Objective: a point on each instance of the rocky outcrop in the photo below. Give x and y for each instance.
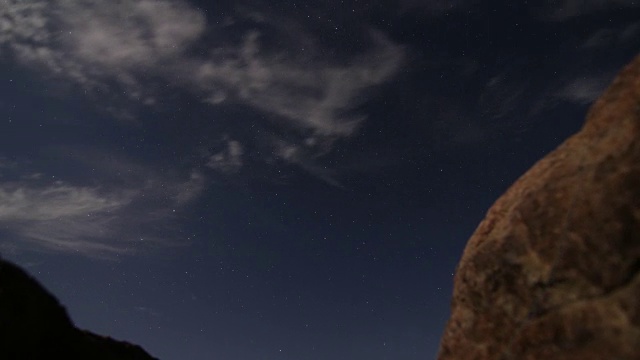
(553, 271)
(33, 325)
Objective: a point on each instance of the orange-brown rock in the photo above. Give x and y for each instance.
(553, 271)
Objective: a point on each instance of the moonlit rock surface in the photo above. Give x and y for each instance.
(33, 325)
(553, 271)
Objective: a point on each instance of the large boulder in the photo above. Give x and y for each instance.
(553, 271)
(33, 325)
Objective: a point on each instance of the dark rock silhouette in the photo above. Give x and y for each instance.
(553, 271)
(33, 325)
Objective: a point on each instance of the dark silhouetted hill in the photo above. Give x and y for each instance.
(33, 325)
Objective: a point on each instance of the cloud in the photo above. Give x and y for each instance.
(191, 189)
(433, 7)
(62, 217)
(298, 155)
(568, 9)
(98, 37)
(96, 43)
(229, 160)
(131, 34)
(132, 207)
(502, 95)
(583, 90)
(612, 36)
(136, 50)
(309, 95)
(5, 163)
(53, 202)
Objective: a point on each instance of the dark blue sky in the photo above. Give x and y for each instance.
(279, 180)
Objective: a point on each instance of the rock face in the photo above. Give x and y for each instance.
(33, 325)
(553, 271)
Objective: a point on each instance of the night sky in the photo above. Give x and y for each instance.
(241, 180)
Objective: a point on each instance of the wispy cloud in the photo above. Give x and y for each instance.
(228, 160)
(297, 155)
(4, 163)
(310, 95)
(126, 212)
(568, 9)
(96, 44)
(54, 202)
(502, 94)
(190, 189)
(584, 90)
(612, 36)
(434, 7)
(124, 48)
(64, 218)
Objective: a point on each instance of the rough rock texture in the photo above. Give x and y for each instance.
(33, 325)
(553, 271)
